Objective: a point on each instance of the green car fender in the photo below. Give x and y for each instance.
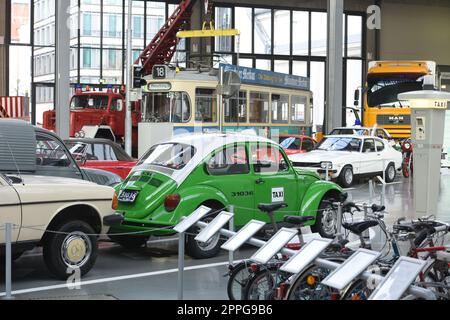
(195, 196)
(314, 195)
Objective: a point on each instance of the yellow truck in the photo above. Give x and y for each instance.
(385, 80)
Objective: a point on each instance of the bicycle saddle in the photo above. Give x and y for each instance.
(271, 207)
(298, 220)
(377, 208)
(360, 227)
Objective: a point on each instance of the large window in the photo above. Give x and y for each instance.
(298, 109)
(205, 105)
(294, 41)
(166, 107)
(280, 108)
(235, 108)
(259, 107)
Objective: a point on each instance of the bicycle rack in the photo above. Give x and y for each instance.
(351, 268)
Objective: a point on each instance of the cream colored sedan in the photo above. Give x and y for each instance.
(62, 215)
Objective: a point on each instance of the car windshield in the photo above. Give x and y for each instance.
(384, 92)
(340, 144)
(76, 147)
(291, 143)
(170, 155)
(97, 102)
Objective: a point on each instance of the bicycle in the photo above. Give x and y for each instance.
(420, 234)
(241, 273)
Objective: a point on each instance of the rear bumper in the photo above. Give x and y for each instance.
(118, 224)
(113, 220)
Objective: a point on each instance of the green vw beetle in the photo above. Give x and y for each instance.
(216, 170)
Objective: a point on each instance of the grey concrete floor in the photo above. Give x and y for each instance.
(150, 273)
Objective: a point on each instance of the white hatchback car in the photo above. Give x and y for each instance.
(350, 156)
(60, 214)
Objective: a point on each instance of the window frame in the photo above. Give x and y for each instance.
(222, 149)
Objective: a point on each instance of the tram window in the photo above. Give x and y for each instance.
(298, 106)
(236, 108)
(205, 105)
(280, 108)
(259, 107)
(166, 107)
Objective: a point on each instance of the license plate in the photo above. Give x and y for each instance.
(128, 196)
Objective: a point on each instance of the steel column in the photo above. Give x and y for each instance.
(62, 68)
(333, 107)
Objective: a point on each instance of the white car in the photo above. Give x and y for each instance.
(350, 156)
(60, 214)
(362, 131)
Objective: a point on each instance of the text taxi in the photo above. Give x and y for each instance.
(217, 170)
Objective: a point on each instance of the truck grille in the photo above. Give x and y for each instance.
(394, 119)
(306, 164)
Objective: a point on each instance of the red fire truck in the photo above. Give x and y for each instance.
(97, 114)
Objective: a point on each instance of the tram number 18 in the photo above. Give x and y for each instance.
(159, 72)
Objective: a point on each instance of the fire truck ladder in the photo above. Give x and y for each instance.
(162, 48)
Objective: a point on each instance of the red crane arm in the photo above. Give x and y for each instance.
(162, 48)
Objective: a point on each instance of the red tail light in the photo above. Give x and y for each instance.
(171, 202)
(254, 267)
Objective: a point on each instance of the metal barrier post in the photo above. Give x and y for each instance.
(8, 231)
(370, 190)
(231, 227)
(327, 177)
(366, 233)
(339, 221)
(181, 247)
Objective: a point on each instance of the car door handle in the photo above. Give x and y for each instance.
(260, 181)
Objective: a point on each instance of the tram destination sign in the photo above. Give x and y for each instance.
(268, 78)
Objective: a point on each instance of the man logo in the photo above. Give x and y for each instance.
(373, 17)
(396, 119)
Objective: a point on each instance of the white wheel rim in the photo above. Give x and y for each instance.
(391, 172)
(211, 244)
(348, 175)
(328, 221)
(76, 249)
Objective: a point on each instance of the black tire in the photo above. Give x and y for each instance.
(390, 173)
(129, 242)
(237, 281)
(325, 219)
(261, 286)
(78, 235)
(344, 178)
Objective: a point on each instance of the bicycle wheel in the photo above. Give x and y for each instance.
(307, 286)
(237, 282)
(358, 290)
(261, 285)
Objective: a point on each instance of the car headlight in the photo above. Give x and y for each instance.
(326, 165)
